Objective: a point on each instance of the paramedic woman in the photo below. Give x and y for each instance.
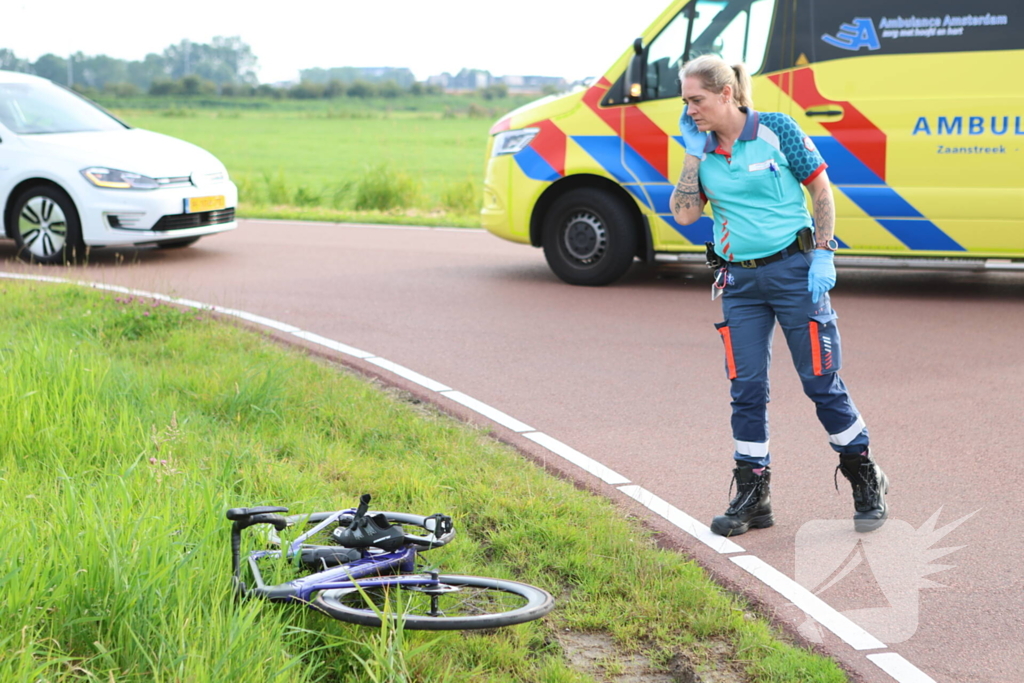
(752, 167)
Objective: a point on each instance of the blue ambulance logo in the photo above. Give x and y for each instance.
(861, 33)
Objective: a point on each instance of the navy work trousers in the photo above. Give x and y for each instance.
(753, 299)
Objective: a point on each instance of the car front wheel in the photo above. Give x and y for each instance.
(590, 237)
(46, 226)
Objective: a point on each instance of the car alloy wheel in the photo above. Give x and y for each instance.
(43, 227)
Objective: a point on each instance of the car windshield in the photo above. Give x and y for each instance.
(33, 108)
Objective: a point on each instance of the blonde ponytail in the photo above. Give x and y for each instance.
(715, 74)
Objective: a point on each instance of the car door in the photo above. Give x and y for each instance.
(737, 31)
(912, 107)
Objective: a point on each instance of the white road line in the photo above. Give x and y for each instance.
(258, 319)
(899, 668)
(682, 520)
(890, 662)
(408, 374)
(331, 344)
(825, 614)
(576, 458)
(504, 419)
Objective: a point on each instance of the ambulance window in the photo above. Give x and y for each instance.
(735, 30)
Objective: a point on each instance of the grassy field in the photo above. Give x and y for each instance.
(126, 430)
(413, 160)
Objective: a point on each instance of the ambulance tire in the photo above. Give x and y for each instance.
(589, 238)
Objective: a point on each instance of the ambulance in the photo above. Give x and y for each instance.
(916, 105)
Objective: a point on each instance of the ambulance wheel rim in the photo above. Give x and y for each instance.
(585, 237)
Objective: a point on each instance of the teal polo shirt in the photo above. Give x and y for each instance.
(755, 193)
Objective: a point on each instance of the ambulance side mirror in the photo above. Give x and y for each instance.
(634, 72)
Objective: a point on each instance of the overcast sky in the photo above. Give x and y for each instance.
(567, 38)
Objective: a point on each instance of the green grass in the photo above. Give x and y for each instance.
(332, 155)
(126, 430)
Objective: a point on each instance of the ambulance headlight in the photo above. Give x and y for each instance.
(512, 141)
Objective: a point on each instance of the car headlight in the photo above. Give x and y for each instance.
(120, 180)
(512, 141)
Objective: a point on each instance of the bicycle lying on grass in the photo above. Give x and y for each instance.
(356, 561)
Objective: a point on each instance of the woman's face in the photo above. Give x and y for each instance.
(708, 110)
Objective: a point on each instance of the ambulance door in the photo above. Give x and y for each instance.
(737, 31)
(912, 107)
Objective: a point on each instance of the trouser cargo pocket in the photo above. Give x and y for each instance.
(826, 351)
(730, 359)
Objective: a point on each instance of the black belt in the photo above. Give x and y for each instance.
(803, 242)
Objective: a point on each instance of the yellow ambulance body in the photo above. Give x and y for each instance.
(916, 105)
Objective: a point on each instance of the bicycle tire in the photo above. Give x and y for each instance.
(524, 602)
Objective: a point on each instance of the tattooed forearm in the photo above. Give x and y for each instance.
(824, 214)
(685, 201)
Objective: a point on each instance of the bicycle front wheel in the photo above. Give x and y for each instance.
(453, 603)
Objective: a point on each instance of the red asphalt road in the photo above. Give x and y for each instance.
(632, 375)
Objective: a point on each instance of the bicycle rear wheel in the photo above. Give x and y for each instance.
(457, 603)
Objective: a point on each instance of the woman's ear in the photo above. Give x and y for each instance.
(727, 94)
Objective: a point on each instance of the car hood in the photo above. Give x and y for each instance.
(133, 149)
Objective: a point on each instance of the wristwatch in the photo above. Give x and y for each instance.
(830, 245)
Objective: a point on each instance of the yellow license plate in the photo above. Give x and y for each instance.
(199, 204)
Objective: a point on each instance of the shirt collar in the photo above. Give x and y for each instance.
(748, 133)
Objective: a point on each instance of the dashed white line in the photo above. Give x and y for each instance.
(890, 662)
(682, 520)
(899, 668)
(852, 634)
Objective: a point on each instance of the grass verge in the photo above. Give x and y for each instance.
(126, 429)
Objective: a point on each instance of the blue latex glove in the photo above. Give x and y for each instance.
(693, 139)
(822, 275)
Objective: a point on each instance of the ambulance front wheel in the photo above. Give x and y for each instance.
(590, 237)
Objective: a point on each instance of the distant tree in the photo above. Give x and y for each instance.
(53, 67)
(194, 85)
(550, 89)
(164, 86)
(267, 90)
(10, 62)
(361, 89)
(389, 89)
(305, 90)
(98, 70)
(334, 88)
(498, 90)
(223, 60)
(418, 89)
(151, 68)
(121, 89)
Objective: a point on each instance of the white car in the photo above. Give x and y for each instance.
(72, 176)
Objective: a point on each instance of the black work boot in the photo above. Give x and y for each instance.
(869, 488)
(752, 506)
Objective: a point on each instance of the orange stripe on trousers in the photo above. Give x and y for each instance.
(730, 361)
(815, 348)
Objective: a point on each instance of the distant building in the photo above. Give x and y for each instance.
(533, 84)
(469, 80)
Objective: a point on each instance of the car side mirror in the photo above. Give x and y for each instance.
(634, 72)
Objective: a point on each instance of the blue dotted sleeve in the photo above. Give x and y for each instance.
(803, 157)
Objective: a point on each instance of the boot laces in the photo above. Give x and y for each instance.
(863, 480)
(744, 498)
